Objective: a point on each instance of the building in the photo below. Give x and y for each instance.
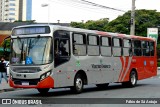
(12, 10)
(6, 27)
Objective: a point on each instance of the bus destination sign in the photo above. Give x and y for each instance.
(31, 30)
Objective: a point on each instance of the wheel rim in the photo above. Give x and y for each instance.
(133, 78)
(79, 84)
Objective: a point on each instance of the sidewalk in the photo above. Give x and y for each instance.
(5, 86)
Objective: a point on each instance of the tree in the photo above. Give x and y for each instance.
(143, 20)
(6, 46)
(97, 25)
(92, 25)
(77, 24)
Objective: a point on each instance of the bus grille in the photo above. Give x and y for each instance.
(30, 81)
(27, 70)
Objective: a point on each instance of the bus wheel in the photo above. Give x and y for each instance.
(105, 85)
(43, 91)
(132, 80)
(78, 84)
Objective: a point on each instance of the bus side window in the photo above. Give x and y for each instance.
(105, 46)
(93, 45)
(61, 47)
(151, 48)
(64, 47)
(56, 47)
(137, 51)
(127, 50)
(79, 44)
(145, 47)
(117, 47)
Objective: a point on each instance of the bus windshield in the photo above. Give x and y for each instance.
(31, 51)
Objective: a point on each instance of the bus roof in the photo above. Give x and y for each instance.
(80, 30)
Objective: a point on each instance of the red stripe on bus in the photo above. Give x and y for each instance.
(122, 61)
(46, 83)
(124, 73)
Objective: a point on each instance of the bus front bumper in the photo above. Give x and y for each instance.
(45, 83)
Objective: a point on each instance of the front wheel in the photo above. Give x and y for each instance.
(43, 91)
(78, 84)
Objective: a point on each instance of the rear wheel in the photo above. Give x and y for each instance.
(132, 80)
(43, 91)
(78, 84)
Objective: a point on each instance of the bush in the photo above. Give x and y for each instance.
(158, 64)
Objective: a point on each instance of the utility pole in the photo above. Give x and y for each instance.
(132, 20)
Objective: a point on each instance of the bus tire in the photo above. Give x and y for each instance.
(101, 86)
(132, 80)
(78, 84)
(43, 91)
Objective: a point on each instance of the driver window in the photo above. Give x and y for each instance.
(61, 47)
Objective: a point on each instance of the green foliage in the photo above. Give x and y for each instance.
(77, 24)
(96, 25)
(120, 25)
(158, 64)
(91, 25)
(5, 43)
(143, 20)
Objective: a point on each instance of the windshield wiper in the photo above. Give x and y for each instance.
(22, 51)
(29, 46)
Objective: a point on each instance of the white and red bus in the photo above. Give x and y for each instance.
(50, 56)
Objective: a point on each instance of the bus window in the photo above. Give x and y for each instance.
(61, 47)
(79, 44)
(64, 47)
(137, 48)
(127, 50)
(145, 47)
(93, 45)
(117, 47)
(151, 48)
(105, 46)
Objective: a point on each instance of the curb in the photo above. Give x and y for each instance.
(9, 89)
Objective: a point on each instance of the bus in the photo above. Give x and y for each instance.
(50, 56)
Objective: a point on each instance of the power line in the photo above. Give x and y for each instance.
(94, 5)
(81, 5)
(102, 6)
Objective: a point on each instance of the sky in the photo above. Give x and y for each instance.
(70, 10)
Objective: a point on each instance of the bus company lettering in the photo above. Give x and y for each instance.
(101, 66)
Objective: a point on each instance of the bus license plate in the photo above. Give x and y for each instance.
(25, 83)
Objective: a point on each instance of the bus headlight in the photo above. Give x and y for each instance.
(48, 74)
(11, 77)
(43, 76)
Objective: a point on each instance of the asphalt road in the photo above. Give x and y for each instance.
(148, 88)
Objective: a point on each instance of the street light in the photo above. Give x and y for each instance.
(45, 5)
